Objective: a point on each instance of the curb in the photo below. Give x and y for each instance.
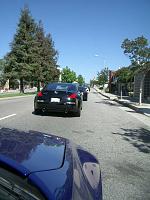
(128, 105)
(133, 107)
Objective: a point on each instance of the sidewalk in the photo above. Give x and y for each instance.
(127, 101)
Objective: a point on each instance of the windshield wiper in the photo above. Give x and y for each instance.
(16, 191)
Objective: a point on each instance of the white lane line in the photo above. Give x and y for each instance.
(7, 117)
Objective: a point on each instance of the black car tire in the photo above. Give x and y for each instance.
(78, 113)
(37, 111)
(85, 98)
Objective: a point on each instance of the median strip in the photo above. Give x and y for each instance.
(7, 116)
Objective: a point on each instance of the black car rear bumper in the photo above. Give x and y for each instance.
(56, 107)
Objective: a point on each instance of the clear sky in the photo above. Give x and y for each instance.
(87, 33)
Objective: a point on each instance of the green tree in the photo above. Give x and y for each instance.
(51, 73)
(38, 58)
(125, 77)
(68, 75)
(2, 63)
(138, 51)
(124, 74)
(80, 80)
(102, 76)
(19, 60)
(93, 82)
(33, 57)
(139, 54)
(45, 58)
(2, 78)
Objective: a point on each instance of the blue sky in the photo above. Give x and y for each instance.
(87, 33)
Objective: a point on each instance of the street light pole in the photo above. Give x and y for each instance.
(121, 91)
(60, 75)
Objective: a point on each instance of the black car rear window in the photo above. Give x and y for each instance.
(61, 87)
(82, 89)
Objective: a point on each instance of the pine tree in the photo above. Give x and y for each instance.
(2, 78)
(38, 58)
(45, 59)
(20, 59)
(51, 73)
(32, 56)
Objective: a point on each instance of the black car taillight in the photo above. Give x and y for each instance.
(40, 94)
(72, 96)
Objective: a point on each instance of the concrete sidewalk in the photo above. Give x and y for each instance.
(127, 101)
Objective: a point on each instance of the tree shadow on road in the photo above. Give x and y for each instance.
(139, 138)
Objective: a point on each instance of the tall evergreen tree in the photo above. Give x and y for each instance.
(2, 78)
(2, 63)
(50, 71)
(45, 59)
(39, 55)
(32, 56)
(19, 60)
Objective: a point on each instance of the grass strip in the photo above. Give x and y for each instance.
(4, 95)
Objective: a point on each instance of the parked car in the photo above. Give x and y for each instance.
(84, 91)
(87, 86)
(40, 166)
(59, 97)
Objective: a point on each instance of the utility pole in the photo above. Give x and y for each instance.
(141, 89)
(60, 73)
(120, 90)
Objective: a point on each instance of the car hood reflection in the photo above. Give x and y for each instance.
(34, 151)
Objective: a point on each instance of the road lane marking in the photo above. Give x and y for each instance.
(7, 116)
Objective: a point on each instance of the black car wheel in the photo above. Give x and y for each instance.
(78, 113)
(85, 98)
(37, 111)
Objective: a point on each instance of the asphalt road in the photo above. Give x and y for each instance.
(119, 137)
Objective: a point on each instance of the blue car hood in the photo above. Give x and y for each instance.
(31, 152)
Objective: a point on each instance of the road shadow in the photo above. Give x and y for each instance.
(131, 111)
(55, 114)
(139, 138)
(144, 110)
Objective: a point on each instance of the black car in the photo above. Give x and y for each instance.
(84, 91)
(59, 97)
(87, 86)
